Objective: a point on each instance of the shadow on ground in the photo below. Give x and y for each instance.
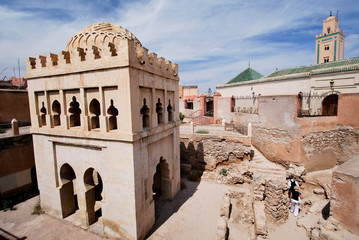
(165, 209)
(5, 235)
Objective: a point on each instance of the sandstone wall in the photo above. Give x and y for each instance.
(344, 202)
(14, 104)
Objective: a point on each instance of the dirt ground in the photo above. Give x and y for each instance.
(192, 215)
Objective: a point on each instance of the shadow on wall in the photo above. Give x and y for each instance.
(192, 160)
(192, 168)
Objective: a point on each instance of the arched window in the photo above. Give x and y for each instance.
(95, 113)
(75, 112)
(112, 120)
(56, 111)
(170, 111)
(43, 114)
(145, 112)
(159, 111)
(330, 105)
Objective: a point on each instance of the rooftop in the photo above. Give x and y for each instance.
(247, 75)
(301, 72)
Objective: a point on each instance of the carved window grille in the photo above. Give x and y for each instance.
(315, 105)
(56, 111)
(145, 112)
(170, 111)
(95, 113)
(159, 111)
(43, 114)
(112, 120)
(75, 112)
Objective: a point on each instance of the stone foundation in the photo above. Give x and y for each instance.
(204, 153)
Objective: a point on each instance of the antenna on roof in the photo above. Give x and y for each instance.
(330, 14)
(249, 63)
(18, 65)
(337, 14)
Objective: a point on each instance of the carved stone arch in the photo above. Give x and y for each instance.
(330, 105)
(95, 111)
(145, 112)
(82, 42)
(68, 195)
(43, 113)
(112, 111)
(93, 195)
(159, 111)
(161, 185)
(75, 112)
(115, 41)
(89, 39)
(56, 111)
(106, 40)
(97, 40)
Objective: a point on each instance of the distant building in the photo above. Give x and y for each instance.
(19, 82)
(330, 44)
(187, 91)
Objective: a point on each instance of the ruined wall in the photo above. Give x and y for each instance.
(315, 142)
(331, 147)
(206, 153)
(344, 204)
(14, 104)
(16, 161)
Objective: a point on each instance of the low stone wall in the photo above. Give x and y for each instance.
(206, 153)
(329, 148)
(276, 201)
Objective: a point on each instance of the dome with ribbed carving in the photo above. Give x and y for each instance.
(99, 33)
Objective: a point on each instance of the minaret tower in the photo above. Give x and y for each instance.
(330, 44)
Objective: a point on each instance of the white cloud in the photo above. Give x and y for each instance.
(211, 40)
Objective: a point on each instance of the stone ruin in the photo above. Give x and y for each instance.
(263, 199)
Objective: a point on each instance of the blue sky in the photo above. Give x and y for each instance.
(211, 40)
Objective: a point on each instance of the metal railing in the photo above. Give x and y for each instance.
(246, 104)
(316, 105)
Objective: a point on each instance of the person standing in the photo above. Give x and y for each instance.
(291, 184)
(295, 199)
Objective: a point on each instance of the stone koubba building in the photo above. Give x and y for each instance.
(105, 127)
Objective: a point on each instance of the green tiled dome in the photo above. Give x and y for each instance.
(246, 75)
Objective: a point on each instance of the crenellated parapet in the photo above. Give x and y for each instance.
(126, 53)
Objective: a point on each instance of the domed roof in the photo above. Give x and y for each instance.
(99, 33)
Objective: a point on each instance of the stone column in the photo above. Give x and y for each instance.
(203, 103)
(249, 132)
(224, 124)
(15, 127)
(192, 128)
(103, 123)
(216, 96)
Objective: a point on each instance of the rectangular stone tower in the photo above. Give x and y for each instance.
(330, 44)
(105, 127)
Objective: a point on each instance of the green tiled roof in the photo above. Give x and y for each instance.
(246, 75)
(322, 68)
(301, 72)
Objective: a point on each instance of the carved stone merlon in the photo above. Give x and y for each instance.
(152, 57)
(31, 63)
(52, 59)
